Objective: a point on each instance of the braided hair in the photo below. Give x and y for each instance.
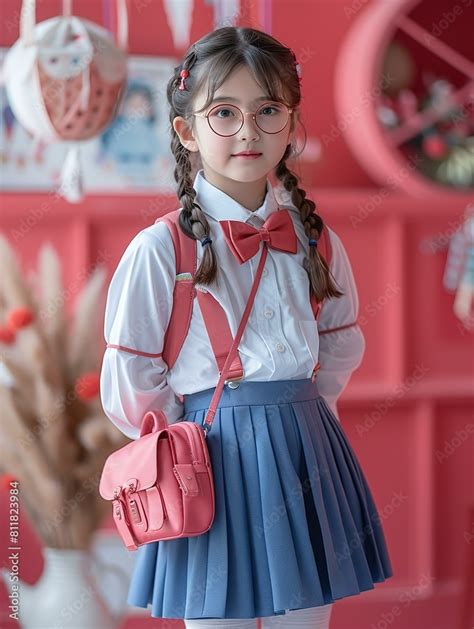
(207, 64)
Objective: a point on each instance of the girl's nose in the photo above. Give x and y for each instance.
(249, 128)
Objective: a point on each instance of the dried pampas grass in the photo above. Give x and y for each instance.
(52, 439)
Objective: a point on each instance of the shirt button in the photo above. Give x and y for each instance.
(268, 313)
(280, 347)
(264, 272)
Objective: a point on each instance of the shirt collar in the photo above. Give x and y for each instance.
(220, 206)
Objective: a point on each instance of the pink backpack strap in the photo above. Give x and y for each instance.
(183, 293)
(214, 316)
(325, 249)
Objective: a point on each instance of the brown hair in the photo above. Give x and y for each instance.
(209, 62)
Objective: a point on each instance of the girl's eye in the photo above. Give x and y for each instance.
(225, 112)
(266, 111)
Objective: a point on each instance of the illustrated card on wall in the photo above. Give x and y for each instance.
(131, 156)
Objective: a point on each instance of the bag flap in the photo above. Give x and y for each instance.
(135, 461)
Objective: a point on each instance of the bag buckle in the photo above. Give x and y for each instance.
(234, 383)
(116, 502)
(131, 485)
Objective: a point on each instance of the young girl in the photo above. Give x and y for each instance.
(295, 526)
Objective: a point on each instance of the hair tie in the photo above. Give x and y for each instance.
(313, 243)
(184, 75)
(206, 241)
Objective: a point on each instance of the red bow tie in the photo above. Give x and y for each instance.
(244, 240)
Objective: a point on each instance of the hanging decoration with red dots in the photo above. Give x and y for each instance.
(72, 80)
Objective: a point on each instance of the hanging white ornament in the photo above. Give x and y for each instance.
(226, 12)
(71, 186)
(179, 15)
(64, 79)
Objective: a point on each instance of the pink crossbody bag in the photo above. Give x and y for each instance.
(161, 484)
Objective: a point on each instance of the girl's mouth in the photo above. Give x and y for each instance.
(251, 156)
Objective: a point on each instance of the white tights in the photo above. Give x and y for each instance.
(312, 617)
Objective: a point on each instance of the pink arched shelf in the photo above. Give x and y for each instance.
(358, 77)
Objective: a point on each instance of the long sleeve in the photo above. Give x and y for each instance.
(139, 301)
(340, 351)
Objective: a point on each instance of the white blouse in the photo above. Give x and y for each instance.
(280, 341)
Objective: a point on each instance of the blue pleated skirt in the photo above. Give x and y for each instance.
(295, 524)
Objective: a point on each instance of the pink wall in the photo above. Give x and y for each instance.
(413, 392)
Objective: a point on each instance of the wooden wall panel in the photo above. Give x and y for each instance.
(453, 464)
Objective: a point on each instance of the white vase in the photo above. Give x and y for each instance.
(66, 595)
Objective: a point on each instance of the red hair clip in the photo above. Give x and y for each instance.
(184, 75)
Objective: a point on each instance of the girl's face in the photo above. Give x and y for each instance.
(217, 153)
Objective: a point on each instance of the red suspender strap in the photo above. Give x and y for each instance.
(213, 314)
(220, 335)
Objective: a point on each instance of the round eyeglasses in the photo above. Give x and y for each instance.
(225, 119)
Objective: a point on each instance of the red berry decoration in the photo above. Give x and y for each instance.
(434, 146)
(87, 386)
(7, 335)
(6, 480)
(20, 318)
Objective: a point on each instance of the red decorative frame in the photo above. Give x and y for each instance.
(359, 67)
